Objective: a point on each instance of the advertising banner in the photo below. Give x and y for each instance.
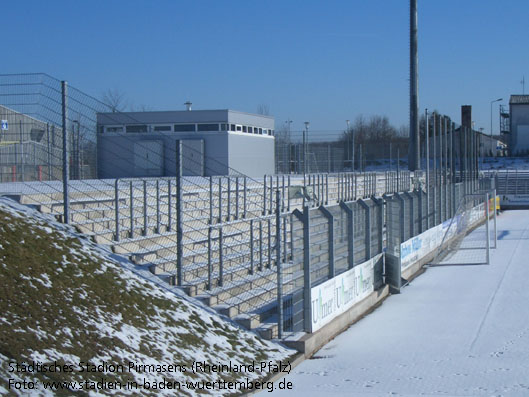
(337, 295)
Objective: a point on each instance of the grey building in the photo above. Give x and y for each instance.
(214, 142)
(30, 149)
(519, 125)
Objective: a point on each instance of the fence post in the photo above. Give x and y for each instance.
(210, 200)
(65, 162)
(220, 199)
(330, 220)
(210, 264)
(244, 199)
(307, 318)
(179, 222)
(260, 268)
(264, 195)
(157, 206)
(367, 209)
(401, 217)
(221, 257)
(288, 195)
(487, 226)
(327, 189)
(236, 197)
(350, 234)
(495, 228)
(169, 207)
(131, 210)
(228, 203)
(269, 247)
(144, 232)
(278, 264)
(251, 247)
(380, 223)
(116, 209)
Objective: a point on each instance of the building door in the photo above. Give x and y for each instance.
(148, 158)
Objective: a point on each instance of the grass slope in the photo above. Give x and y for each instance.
(63, 299)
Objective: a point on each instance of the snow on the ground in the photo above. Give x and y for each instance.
(179, 329)
(454, 331)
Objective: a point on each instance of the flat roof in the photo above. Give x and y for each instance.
(519, 100)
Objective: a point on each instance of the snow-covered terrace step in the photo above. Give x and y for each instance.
(258, 297)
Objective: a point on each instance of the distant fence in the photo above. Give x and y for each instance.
(334, 258)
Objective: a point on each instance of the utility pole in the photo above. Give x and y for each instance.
(414, 155)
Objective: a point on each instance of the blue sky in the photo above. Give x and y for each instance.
(317, 61)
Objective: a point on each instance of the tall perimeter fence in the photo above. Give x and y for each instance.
(252, 248)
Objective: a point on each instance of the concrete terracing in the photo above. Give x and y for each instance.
(228, 257)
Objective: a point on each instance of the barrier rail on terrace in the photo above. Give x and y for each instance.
(512, 187)
(221, 248)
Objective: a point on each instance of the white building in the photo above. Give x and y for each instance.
(519, 131)
(215, 142)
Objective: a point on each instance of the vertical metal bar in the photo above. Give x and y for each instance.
(179, 220)
(228, 202)
(144, 232)
(244, 198)
(260, 245)
(350, 234)
(269, 245)
(220, 199)
(495, 228)
(157, 206)
(210, 200)
(487, 227)
(288, 195)
(283, 194)
(285, 251)
(169, 206)
(221, 257)
(307, 318)
(65, 162)
(278, 264)
(251, 247)
(210, 263)
(236, 197)
(49, 150)
(327, 189)
(264, 196)
(271, 195)
(131, 210)
(116, 209)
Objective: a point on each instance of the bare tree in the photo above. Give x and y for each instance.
(115, 99)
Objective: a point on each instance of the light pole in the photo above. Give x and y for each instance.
(305, 145)
(289, 123)
(352, 145)
(491, 102)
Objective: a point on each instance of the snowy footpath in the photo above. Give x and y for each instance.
(454, 331)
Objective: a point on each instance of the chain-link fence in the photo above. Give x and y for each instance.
(252, 248)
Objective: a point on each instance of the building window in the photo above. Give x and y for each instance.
(136, 128)
(250, 130)
(223, 127)
(244, 128)
(162, 128)
(114, 129)
(208, 127)
(184, 128)
(232, 127)
(261, 131)
(239, 128)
